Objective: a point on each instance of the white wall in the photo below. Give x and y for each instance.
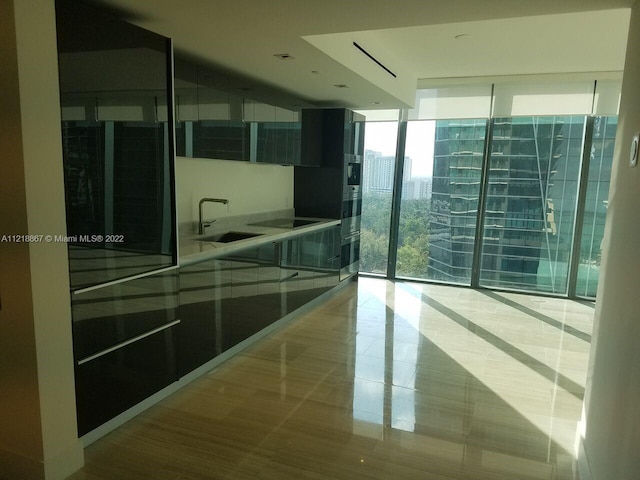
(249, 187)
(38, 435)
(612, 403)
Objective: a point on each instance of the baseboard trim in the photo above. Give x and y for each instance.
(124, 417)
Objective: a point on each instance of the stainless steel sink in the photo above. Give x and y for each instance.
(227, 237)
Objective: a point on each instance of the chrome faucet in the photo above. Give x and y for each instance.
(202, 224)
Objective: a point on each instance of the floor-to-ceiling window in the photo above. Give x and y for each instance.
(534, 168)
(502, 187)
(377, 189)
(596, 201)
(440, 193)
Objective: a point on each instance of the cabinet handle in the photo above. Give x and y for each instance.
(127, 342)
(333, 258)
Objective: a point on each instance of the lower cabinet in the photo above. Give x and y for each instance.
(255, 292)
(320, 261)
(125, 345)
(133, 338)
(205, 305)
(116, 381)
(227, 300)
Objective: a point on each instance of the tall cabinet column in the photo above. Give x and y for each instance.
(38, 436)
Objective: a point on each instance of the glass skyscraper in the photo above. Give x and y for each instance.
(531, 202)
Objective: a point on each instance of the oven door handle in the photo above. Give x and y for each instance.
(351, 236)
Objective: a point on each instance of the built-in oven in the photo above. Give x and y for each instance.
(351, 215)
(350, 255)
(352, 176)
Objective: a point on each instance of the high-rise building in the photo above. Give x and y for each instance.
(531, 201)
(457, 170)
(378, 172)
(534, 170)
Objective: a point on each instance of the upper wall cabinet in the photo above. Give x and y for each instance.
(208, 117)
(117, 138)
(217, 116)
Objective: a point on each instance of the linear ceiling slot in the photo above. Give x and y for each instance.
(375, 60)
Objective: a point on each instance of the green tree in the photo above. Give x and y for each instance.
(413, 241)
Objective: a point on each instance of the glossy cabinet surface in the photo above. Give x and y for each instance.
(227, 300)
(109, 315)
(118, 380)
(117, 140)
(336, 138)
(218, 118)
(124, 345)
(205, 303)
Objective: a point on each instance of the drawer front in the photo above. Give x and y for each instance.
(116, 381)
(112, 314)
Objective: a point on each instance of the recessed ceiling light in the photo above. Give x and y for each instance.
(341, 85)
(375, 103)
(462, 36)
(315, 72)
(284, 56)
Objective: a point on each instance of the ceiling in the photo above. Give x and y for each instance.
(414, 39)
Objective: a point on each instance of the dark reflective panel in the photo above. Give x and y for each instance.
(227, 300)
(205, 305)
(109, 315)
(117, 146)
(112, 383)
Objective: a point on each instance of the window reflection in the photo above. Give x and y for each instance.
(385, 363)
(596, 202)
(440, 196)
(534, 168)
(117, 146)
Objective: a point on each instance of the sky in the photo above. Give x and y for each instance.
(381, 137)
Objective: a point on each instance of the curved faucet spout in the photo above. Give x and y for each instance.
(202, 224)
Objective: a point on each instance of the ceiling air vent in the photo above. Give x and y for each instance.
(377, 62)
(284, 56)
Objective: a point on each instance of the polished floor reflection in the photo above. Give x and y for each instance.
(385, 380)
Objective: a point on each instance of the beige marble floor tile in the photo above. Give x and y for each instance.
(383, 380)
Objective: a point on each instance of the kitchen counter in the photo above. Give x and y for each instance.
(193, 251)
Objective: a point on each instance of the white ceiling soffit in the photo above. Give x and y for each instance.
(243, 35)
(558, 44)
(365, 54)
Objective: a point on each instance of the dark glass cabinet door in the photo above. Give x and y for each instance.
(255, 292)
(124, 345)
(225, 301)
(205, 310)
(117, 136)
(116, 381)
